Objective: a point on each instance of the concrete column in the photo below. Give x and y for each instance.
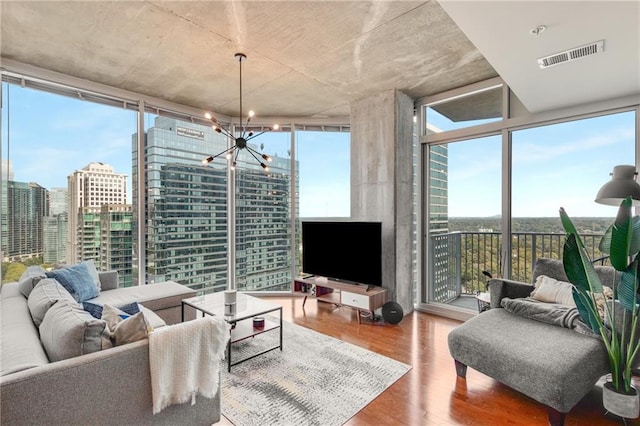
(382, 183)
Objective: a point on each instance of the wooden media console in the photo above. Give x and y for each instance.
(353, 295)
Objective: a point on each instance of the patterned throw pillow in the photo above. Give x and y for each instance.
(551, 290)
(125, 328)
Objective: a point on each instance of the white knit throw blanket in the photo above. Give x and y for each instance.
(185, 360)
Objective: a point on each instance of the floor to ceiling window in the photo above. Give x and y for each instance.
(463, 220)
(563, 165)
(66, 180)
(72, 188)
(263, 215)
(186, 203)
(491, 192)
(323, 170)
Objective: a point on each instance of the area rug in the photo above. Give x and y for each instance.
(314, 380)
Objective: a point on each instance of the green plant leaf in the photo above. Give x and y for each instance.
(621, 237)
(628, 287)
(578, 266)
(584, 306)
(605, 242)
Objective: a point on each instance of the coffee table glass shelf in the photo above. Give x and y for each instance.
(247, 308)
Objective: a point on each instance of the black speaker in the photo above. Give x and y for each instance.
(392, 312)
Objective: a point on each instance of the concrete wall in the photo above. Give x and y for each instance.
(382, 183)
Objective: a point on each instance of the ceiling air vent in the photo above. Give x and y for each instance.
(571, 54)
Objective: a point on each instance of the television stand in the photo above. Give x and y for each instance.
(358, 296)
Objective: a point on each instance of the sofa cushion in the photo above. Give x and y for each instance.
(68, 331)
(29, 278)
(153, 296)
(10, 290)
(20, 346)
(45, 294)
(79, 280)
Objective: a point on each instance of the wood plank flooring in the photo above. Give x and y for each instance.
(430, 393)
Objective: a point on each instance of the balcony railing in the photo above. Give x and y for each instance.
(458, 259)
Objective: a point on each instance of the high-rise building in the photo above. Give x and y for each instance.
(26, 208)
(186, 219)
(58, 201)
(6, 174)
(116, 241)
(91, 187)
(55, 238)
(56, 227)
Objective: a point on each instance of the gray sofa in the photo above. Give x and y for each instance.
(554, 365)
(110, 386)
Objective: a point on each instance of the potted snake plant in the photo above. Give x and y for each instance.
(619, 326)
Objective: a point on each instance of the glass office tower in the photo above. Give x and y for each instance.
(186, 218)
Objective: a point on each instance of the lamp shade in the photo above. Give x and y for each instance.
(622, 185)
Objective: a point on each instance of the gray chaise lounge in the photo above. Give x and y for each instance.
(554, 365)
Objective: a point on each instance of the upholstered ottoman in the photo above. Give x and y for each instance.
(554, 365)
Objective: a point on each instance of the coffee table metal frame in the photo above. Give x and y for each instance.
(247, 308)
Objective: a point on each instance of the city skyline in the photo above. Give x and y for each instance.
(48, 131)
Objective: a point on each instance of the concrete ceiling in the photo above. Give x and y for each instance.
(312, 58)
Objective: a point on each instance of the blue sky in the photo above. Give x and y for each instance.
(553, 166)
(560, 165)
(51, 136)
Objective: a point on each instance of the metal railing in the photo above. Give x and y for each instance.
(458, 259)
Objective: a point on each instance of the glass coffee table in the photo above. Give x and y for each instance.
(247, 308)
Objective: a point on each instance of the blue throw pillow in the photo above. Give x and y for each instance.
(94, 309)
(77, 280)
(130, 308)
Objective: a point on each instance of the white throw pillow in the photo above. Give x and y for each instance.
(551, 290)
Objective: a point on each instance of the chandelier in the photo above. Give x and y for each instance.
(241, 142)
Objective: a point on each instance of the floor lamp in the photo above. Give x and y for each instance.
(623, 184)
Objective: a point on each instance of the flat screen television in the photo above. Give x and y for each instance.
(343, 251)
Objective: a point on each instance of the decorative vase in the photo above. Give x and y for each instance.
(624, 405)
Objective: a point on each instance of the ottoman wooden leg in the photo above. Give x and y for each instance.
(461, 369)
(556, 418)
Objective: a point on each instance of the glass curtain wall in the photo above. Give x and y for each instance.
(186, 203)
(263, 215)
(70, 177)
(492, 193)
(323, 170)
(66, 181)
(563, 165)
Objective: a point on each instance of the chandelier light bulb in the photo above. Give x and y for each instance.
(276, 126)
(208, 116)
(266, 157)
(264, 166)
(233, 165)
(251, 113)
(228, 156)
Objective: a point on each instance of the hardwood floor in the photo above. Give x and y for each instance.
(430, 393)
